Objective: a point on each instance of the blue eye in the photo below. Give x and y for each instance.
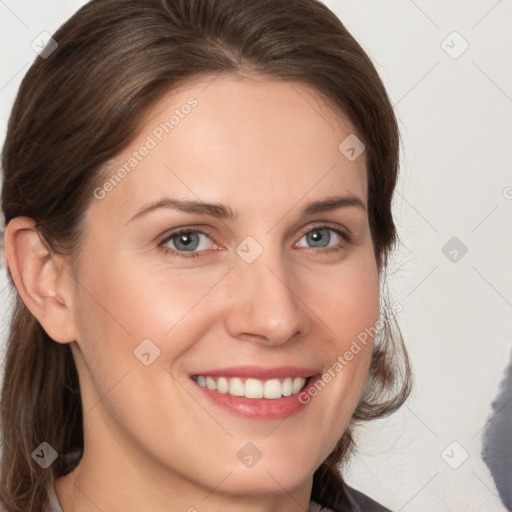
(192, 243)
(185, 241)
(321, 236)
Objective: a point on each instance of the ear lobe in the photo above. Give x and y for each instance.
(38, 274)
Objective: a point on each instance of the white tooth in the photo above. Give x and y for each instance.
(222, 385)
(287, 387)
(272, 389)
(253, 388)
(236, 387)
(298, 382)
(211, 384)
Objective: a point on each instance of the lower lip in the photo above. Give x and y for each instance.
(265, 408)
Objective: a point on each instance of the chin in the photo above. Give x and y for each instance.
(266, 480)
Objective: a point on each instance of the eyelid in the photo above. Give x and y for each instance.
(342, 231)
(168, 236)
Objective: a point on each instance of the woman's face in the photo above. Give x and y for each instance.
(267, 287)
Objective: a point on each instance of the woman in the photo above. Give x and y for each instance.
(198, 204)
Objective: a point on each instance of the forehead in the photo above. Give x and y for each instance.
(246, 142)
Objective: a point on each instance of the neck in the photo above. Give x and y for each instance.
(123, 484)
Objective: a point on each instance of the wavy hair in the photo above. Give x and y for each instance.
(82, 104)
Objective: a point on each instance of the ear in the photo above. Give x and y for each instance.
(40, 279)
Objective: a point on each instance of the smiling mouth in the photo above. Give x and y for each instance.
(271, 389)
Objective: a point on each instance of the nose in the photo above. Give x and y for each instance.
(266, 306)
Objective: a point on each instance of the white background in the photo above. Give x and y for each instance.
(455, 122)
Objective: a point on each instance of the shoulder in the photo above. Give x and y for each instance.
(362, 503)
(347, 499)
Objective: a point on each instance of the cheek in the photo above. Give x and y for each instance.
(348, 305)
(346, 300)
(126, 302)
(354, 321)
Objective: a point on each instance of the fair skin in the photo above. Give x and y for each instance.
(153, 439)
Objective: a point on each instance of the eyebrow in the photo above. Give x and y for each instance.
(221, 211)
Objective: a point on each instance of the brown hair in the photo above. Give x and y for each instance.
(81, 105)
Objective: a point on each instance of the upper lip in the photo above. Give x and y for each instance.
(259, 372)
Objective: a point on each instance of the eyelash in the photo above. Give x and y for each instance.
(185, 231)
